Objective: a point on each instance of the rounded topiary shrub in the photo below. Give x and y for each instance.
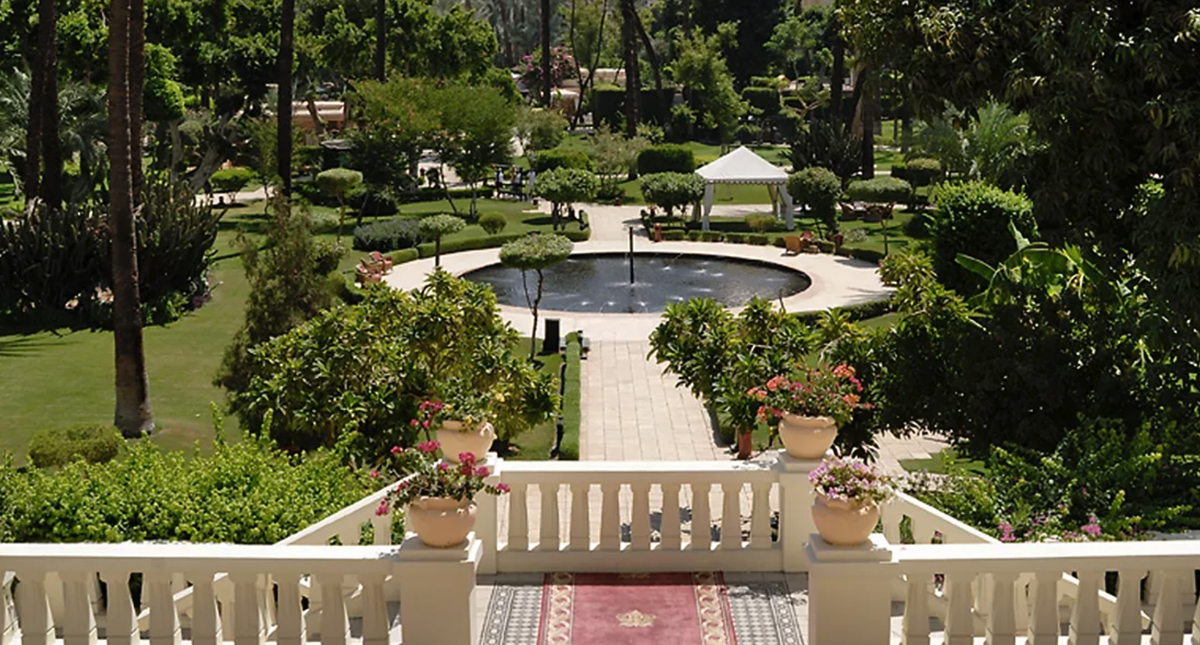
(95, 444)
(671, 190)
(881, 190)
(818, 190)
(667, 157)
(492, 223)
(561, 158)
(760, 223)
(919, 172)
(231, 180)
(972, 219)
(388, 235)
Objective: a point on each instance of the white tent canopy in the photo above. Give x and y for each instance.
(743, 166)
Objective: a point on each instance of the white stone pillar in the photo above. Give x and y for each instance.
(437, 591)
(709, 192)
(795, 510)
(487, 516)
(789, 208)
(849, 592)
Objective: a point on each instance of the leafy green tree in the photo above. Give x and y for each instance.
(339, 182)
(535, 253)
(974, 219)
(539, 129)
(701, 69)
(480, 121)
(616, 160)
(671, 190)
(365, 368)
(565, 187)
(437, 227)
(818, 190)
(393, 127)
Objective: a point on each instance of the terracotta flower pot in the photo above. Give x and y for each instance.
(807, 437)
(456, 440)
(844, 523)
(745, 445)
(440, 522)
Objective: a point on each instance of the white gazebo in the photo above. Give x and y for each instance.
(742, 166)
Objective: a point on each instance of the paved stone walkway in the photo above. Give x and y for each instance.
(633, 412)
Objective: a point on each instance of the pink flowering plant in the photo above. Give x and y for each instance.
(822, 391)
(470, 408)
(850, 480)
(423, 475)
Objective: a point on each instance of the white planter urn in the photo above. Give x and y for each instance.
(844, 522)
(456, 439)
(440, 522)
(807, 437)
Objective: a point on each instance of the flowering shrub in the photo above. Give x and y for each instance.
(421, 475)
(849, 480)
(470, 408)
(813, 392)
(562, 66)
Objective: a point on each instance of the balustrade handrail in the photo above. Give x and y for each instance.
(1054, 556)
(216, 558)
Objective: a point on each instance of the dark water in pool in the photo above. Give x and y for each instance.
(599, 283)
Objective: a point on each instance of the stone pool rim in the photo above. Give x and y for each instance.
(622, 255)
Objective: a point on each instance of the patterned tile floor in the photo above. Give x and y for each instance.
(767, 609)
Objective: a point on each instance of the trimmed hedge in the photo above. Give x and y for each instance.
(562, 158)
(434, 194)
(755, 239)
(881, 190)
(95, 444)
(855, 313)
(674, 235)
(388, 235)
(475, 243)
(764, 99)
(666, 157)
(918, 172)
(404, 255)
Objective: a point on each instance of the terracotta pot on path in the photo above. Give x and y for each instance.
(455, 440)
(745, 445)
(844, 523)
(440, 522)
(807, 437)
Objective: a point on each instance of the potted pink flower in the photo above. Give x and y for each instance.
(808, 405)
(438, 497)
(848, 496)
(462, 421)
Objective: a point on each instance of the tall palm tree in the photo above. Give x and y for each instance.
(633, 83)
(137, 81)
(546, 79)
(133, 413)
(287, 32)
(41, 136)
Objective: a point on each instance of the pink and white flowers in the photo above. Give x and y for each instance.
(851, 480)
(423, 475)
(813, 392)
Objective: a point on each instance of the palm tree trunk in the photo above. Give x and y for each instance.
(837, 76)
(633, 85)
(137, 83)
(546, 81)
(866, 112)
(664, 104)
(36, 111)
(284, 112)
(381, 40)
(133, 414)
(52, 161)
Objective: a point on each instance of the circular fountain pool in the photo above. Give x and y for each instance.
(599, 282)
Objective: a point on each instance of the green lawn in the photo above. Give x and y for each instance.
(897, 238)
(8, 193)
(943, 463)
(536, 444)
(724, 194)
(54, 379)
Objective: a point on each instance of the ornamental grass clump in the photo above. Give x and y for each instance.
(422, 475)
(811, 392)
(851, 480)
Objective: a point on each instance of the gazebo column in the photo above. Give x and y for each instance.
(774, 193)
(709, 191)
(788, 208)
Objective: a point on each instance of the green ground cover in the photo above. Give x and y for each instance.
(898, 230)
(536, 444)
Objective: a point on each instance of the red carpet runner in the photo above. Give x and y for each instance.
(635, 609)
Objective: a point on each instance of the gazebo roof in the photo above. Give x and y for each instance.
(743, 166)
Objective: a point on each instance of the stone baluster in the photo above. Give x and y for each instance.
(9, 634)
(164, 618)
(670, 528)
(290, 622)
(960, 628)
(312, 617)
(33, 609)
(580, 533)
(207, 628)
(731, 516)
(548, 536)
(610, 517)
(916, 611)
(381, 526)
(79, 621)
(335, 624)
(1043, 624)
(1196, 626)
(122, 626)
(1167, 627)
(1125, 627)
(639, 521)
(375, 624)
(1002, 614)
(487, 520)
(701, 517)
(760, 516)
(1085, 615)
(518, 518)
(248, 625)
(891, 519)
